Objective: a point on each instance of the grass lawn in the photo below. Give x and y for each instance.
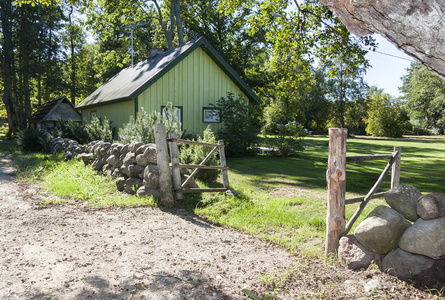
(286, 197)
(280, 199)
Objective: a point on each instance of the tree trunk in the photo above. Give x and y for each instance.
(176, 5)
(73, 62)
(25, 70)
(167, 33)
(6, 12)
(413, 26)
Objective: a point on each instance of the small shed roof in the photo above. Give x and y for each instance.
(49, 106)
(133, 80)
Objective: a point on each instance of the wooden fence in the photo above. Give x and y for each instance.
(336, 225)
(172, 186)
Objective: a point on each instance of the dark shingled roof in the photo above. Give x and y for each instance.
(46, 108)
(132, 81)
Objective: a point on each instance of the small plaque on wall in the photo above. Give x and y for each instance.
(211, 115)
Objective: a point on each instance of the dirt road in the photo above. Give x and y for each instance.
(65, 252)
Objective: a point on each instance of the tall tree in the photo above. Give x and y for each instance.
(230, 35)
(73, 38)
(6, 13)
(301, 30)
(386, 116)
(345, 84)
(424, 93)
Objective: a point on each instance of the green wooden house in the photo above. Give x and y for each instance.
(192, 77)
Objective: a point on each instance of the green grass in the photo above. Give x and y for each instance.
(83, 183)
(71, 182)
(281, 199)
(284, 199)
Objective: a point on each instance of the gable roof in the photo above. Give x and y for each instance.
(133, 80)
(47, 107)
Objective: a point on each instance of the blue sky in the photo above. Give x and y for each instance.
(385, 70)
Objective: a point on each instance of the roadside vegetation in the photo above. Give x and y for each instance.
(281, 199)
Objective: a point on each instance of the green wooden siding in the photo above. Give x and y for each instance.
(119, 113)
(194, 83)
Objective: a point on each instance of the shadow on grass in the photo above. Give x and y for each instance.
(423, 162)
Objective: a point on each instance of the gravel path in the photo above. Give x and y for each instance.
(64, 252)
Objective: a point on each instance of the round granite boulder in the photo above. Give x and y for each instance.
(381, 230)
(404, 200)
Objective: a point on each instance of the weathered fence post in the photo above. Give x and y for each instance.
(336, 185)
(222, 158)
(165, 179)
(176, 172)
(395, 172)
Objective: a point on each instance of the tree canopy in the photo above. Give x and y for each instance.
(296, 55)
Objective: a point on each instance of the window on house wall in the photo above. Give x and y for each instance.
(93, 114)
(211, 115)
(178, 112)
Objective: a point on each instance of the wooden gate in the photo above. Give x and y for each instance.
(336, 186)
(180, 187)
(170, 184)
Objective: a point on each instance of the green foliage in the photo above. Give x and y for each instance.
(100, 129)
(97, 129)
(195, 154)
(31, 139)
(238, 131)
(71, 130)
(305, 31)
(424, 93)
(289, 140)
(386, 117)
(141, 129)
(356, 113)
(344, 84)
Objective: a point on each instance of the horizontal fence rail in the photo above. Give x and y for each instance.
(200, 167)
(356, 158)
(180, 141)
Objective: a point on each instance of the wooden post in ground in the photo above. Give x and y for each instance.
(222, 158)
(165, 179)
(395, 172)
(336, 186)
(176, 172)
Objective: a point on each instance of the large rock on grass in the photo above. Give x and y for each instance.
(381, 230)
(425, 237)
(351, 252)
(405, 265)
(147, 192)
(431, 206)
(404, 199)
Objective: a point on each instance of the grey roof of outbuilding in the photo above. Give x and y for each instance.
(46, 108)
(132, 81)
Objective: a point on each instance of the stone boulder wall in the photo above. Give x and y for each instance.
(425, 237)
(417, 249)
(431, 206)
(405, 265)
(404, 200)
(133, 165)
(381, 230)
(351, 252)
